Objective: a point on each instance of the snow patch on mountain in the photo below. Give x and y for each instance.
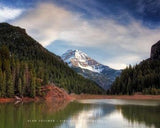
(77, 58)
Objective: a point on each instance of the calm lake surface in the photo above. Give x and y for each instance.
(108, 113)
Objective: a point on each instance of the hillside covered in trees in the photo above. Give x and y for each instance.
(25, 66)
(144, 77)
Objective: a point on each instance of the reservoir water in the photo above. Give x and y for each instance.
(107, 113)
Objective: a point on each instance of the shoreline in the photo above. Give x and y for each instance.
(25, 99)
(84, 96)
(129, 97)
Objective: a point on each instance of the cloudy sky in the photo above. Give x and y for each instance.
(114, 32)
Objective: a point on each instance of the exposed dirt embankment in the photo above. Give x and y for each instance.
(52, 93)
(132, 97)
(55, 93)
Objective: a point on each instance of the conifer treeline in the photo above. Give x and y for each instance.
(16, 78)
(144, 78)
(25, 78)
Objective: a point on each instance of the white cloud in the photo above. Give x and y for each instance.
(117, 65)
(48, 22)
(122, 61)
(7, 13)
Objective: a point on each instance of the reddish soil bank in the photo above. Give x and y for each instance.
(134, 97)
(55, 93)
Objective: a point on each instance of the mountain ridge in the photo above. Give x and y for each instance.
(90, 68)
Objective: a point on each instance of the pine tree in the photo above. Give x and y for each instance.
(33, 86)
(38, 87)
(129, 86)
(20, 87)
(0, 62)
(45, 79)
(3, 87)
(1, 82)
(24, 85)
(10, 86)
(17, 75)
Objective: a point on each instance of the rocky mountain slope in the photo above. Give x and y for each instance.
(90, 68)
(155, 51)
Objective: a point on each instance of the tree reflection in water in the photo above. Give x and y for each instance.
(29, 115)
(149, 115)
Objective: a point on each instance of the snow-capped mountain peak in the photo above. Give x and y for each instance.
(81, 56)
(90, 68)
(77, 58)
